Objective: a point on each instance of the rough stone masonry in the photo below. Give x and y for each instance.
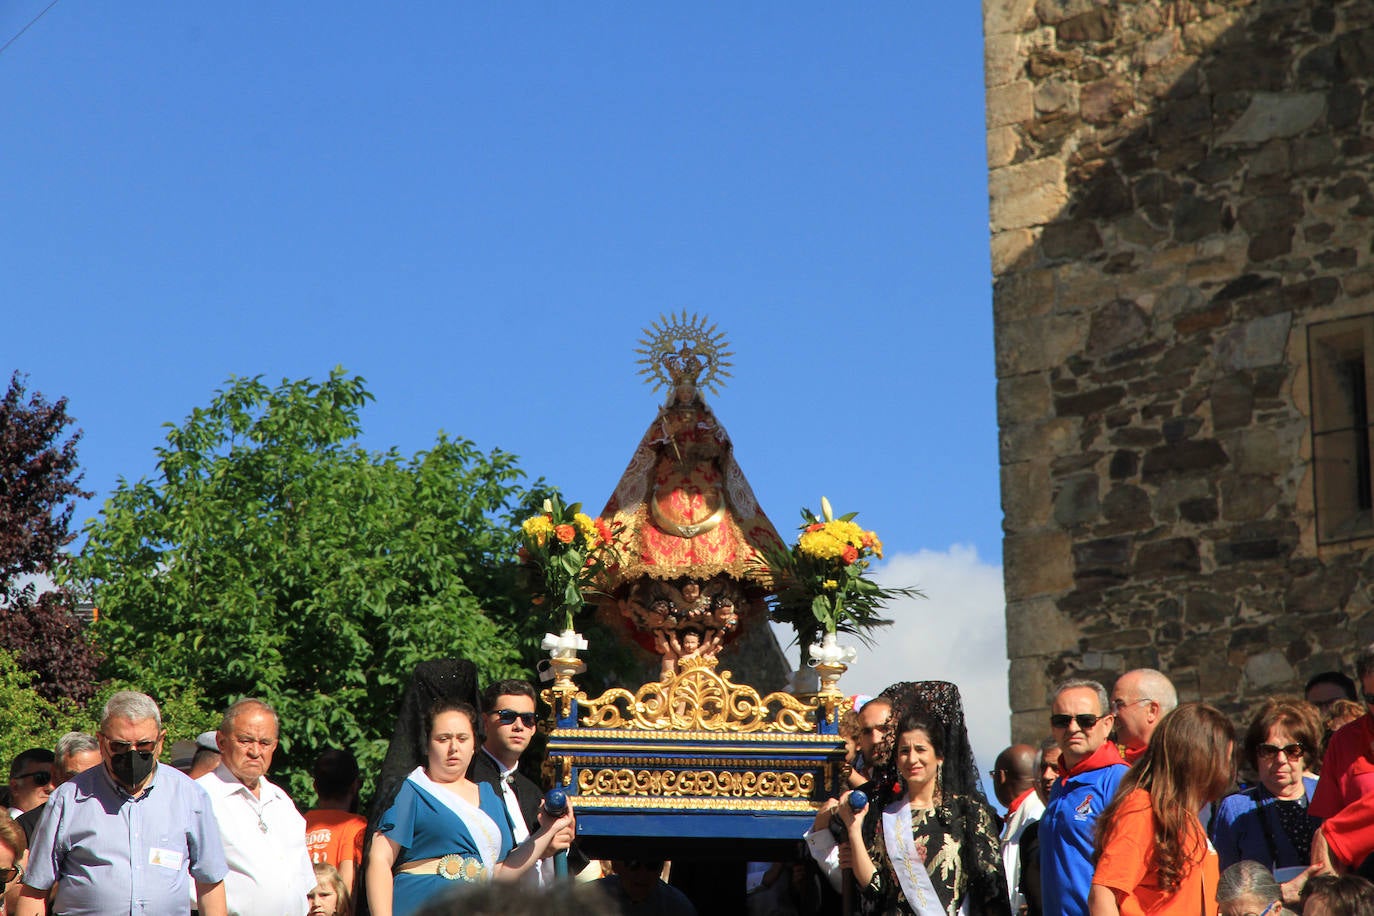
(1178, 192)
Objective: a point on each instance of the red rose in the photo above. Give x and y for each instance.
(849, 554)
(565, 533)
(816, 527)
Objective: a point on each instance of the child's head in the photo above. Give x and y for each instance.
(329, 897)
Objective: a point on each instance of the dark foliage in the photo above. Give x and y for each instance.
(38, 482)
(38, 485)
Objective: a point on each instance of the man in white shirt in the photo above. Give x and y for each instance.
(1013, 781)
(509, 720)
(264, 835)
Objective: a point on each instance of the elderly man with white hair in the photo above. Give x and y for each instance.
(264, 835)
(130, 835)
(1140, 699)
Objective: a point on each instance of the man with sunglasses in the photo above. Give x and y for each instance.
(30, 779)
(128, 836)
(509, 719)
(1081, 722)
(76, 752)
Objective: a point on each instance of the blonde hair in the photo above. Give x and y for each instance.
(328, 874)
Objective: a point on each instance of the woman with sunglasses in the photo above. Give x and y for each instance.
(1152, 857)
(12, 849)
(1269, 822)
(443, 828)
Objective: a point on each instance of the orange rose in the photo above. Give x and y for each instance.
(565, 533)
(849, 554)
(816, 527)
(603, 529)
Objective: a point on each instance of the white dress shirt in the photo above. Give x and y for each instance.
(542, 873)
(264, 845)
(1030, 811)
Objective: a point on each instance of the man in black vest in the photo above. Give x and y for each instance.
(508, 719)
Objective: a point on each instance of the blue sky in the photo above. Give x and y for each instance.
(479, 207)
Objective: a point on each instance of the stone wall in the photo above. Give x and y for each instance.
(1177, 191)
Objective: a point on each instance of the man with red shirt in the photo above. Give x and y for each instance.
(1081, 721)
(1140, 698)
(1345, 791)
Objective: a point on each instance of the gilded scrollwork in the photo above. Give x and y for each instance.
(694, 784)
(698, 698)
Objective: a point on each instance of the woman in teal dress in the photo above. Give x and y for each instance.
(442, 828)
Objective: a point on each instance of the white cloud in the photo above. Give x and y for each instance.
(956, 633)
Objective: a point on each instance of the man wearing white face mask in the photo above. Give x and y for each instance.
(128, 836)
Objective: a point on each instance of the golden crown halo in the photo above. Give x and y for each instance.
(684, 350)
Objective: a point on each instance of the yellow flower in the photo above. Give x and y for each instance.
(830, 585)
(538, 528)
(587, 527)
(820, 545)
(846, 532)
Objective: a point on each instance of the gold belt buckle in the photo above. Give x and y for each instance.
(455, 867)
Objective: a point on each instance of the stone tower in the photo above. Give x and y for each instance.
(1184, 312)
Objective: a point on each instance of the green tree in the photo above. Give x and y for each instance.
(273, 556)
(30, 719)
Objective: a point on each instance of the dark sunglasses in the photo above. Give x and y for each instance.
(641, 865)
(1085, 720)
(39, 777)
(508, 717)
(1270, 751)
(1368, 698)
(10, 874)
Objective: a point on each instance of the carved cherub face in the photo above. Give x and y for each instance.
(690, 641)
(691, 591)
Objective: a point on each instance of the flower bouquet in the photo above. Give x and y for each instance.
(822, 586)
(566, 551)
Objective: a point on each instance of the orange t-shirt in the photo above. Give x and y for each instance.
(332, 836)
(1125, 867)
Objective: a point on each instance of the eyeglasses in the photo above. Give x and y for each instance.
(1085, 720)
(1368, 698)
(123, 747)
(508, 717)
(1270, 751)
(1119, 704)
(39, 777)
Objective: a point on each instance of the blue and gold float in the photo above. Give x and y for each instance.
(683, 563)
(693, 764)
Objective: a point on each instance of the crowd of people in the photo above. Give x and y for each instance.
(1132, 805)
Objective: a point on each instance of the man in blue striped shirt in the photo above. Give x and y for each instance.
(127, 836)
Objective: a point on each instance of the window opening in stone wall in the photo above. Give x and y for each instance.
(1340, 354)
